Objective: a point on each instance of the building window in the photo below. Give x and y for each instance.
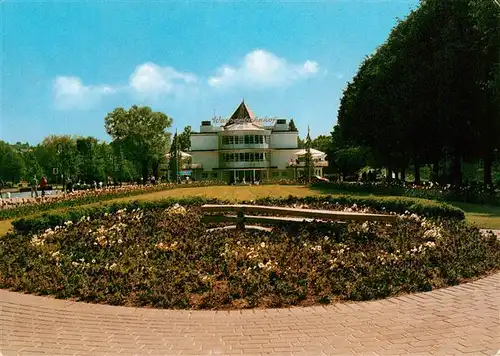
(204, 175)
(225, 140)
(214, 175)
(241, 140)
(267, 139)
(231, 140)
(276, 174)
(261, 139)
(242, 157)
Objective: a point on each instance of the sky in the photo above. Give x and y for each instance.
(66, 64)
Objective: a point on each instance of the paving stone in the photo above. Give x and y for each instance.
(458, 320)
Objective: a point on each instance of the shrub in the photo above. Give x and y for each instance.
(382, 204)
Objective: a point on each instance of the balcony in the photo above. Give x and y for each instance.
(192, 166)
(245, 164)
(244, 146)
(302, 164)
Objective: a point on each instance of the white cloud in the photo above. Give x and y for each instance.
(71, 93)
(151, 80)
(260, 68)
(148, 81)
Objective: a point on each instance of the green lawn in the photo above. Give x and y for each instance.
(483, 216)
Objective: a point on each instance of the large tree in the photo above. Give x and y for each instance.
(185, 139)
(11, 163)
(429, 94)
(141, 134)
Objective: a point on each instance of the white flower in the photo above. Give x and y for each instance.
(262, 244)
(430, 244)
(120, 241)
(93, 261)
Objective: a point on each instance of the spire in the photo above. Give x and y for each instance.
(242, 113)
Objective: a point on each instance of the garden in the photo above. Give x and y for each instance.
(159, 254)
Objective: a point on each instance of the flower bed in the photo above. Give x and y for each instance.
(14, 207)
(159, 254)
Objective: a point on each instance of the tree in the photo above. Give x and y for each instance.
(300, 143)
(141, 134)
(185, 139)
(174, 158)
(32, 167)
(308, 159)
(430, 92)
(292, 127)
(11, 163)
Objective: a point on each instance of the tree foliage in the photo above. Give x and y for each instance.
(141, 134)
(430, 93)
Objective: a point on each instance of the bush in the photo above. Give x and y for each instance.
(159, 254)
(383, 204)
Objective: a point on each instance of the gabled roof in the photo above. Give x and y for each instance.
(242, 115)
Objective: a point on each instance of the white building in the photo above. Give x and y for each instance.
(244, 148)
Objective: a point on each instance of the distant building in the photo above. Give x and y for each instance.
(244, 148)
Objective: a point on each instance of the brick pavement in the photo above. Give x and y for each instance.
(463, 319)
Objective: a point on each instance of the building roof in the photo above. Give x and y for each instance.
(314, 153)
(242, 119)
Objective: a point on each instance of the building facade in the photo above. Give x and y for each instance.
(244, 149)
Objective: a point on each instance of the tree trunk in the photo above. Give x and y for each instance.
(417, 172)
(389, 174)
(155, 169)
(145, 171)
(457, 171)
(403, 175)
(435, 171)
(488, 162)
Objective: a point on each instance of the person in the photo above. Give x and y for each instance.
(95, 185)
(34, 191)
(153, 179)
(100, 185)
(43, 185)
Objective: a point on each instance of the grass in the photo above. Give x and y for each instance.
(483, 216)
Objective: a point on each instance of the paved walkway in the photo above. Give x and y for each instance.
(456, 320)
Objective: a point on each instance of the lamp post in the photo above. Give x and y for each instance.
(60, 152)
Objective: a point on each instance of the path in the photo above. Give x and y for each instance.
(456, 320)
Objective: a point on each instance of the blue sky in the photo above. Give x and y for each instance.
(66, 64)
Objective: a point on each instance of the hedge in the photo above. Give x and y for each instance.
(473, 193)
(388, 204)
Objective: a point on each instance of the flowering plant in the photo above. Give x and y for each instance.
(163, 256)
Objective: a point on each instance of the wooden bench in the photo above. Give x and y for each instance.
(292, 215)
